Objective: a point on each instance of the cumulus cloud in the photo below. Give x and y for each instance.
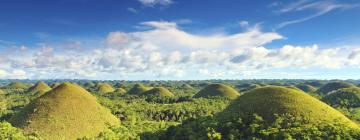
(165, 50)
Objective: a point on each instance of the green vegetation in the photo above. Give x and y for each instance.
(158, 92)
(66, 112)
(173, 111)
(344, 98)
(269, 102)
(17, 85)
(39, 88)
(138, 89)
(332, 86)
(217, 90)
(120, 91)
(306, 88)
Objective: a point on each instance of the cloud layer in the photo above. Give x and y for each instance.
(167, 51)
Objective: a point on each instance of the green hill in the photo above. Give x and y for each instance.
(17, 85)
(40, 88)
(345, 97)
(186, 87)
(89, 84)
(158, 91)
(120, 91)
(329, 87)
(66, 112)
(104, 88)
(54, 85)
(218, 90)
(138, 89)
(270, 101)
(306, 88)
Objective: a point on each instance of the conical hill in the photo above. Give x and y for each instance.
(270, 101)
(66, 112)
(218, 90)
(105, 88)
(138, 89)
(40, 88)
(158, 91)
(329, 87)
(17, 85)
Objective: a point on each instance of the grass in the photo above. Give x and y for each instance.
(159, 91)
(66, 112)
(218, 90)
(270, 101)
(329, 87)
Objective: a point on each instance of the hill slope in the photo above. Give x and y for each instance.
(66, 112)
(158, 91)
(306, 88)
(345, 97)
(40, 88)
(269, 101)
(329, 87)
(218, 90)
(138, 89)
(104, 88)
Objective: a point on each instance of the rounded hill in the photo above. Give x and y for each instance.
(17, 85)
(105, 88)
(120, 91)
(40, 88)
(329, 87)
(158, 91)
(346, 97)
(269, 102)
(218, 90)
(54, 85)
(138, 89)
(306, 88)
(66, 112)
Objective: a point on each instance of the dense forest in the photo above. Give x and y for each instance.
(187, 110)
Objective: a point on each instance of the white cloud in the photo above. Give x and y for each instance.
(132, 10)
(150, 3)
(168, 51)
(319, 8)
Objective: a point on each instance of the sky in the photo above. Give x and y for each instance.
(179, 39)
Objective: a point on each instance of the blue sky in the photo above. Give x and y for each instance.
(173, 39)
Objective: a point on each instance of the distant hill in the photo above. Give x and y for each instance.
(39, 88)
(138, 89)
(158, 91)
(17, 85)
(104, 88)
(218, 90)
(332, 86)
(345, 97)
(306, 88)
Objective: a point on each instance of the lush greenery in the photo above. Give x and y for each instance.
(261, 112)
